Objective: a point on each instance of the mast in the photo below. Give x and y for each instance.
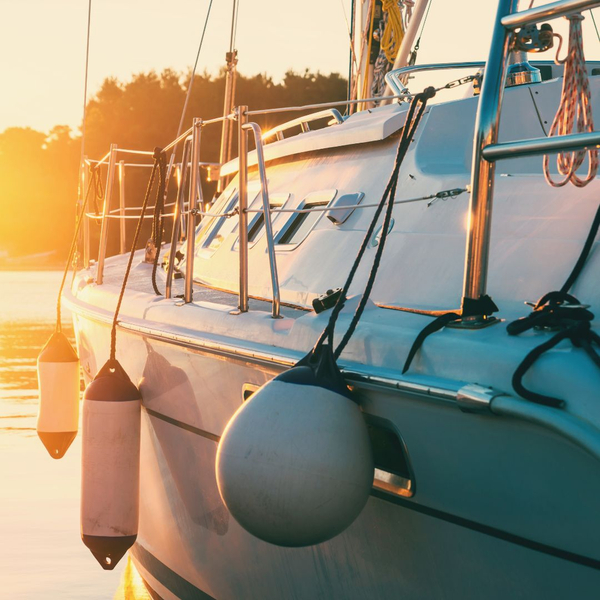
(229, 96)
(360, 40)
(369, 21)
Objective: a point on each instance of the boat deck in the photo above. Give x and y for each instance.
(140, 280)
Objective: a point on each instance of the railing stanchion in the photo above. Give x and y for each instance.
(482, 171)
(122, 228)
(86, 220)
(195, 200)
(177, 212)
(243, 205)
(110, 177)
(267, 217)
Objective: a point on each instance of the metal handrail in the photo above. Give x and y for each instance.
(393, 77)
(242, 119)
(303, 122)
(258, 137)
(546, 12)
(110, 176)
(532, 147)
(486, 149)
(482, 172)
(271, 111)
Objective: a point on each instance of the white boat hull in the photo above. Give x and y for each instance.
(502, 509)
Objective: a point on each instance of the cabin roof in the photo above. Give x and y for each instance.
(365, 126)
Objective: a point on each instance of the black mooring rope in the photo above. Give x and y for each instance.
(415, 113)
(113, 333)
(560, 311)
(73, 247)
(157, 221)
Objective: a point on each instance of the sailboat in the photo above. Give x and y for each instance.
(378, 374)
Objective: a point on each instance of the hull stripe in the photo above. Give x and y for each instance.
(174, 582)
(182, 425)
(434, 512)
(488, 530)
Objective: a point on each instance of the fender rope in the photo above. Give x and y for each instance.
(157, 221)
(563, 312)
(415, 113)
(113, 332)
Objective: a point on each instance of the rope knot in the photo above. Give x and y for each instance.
(564, 315)
(158, 152)
(428, 93)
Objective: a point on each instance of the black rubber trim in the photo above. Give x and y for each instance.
(174, 582)
(512, 538)
(205, 434)
(491, 531)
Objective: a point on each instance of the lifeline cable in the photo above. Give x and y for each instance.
(113, 332)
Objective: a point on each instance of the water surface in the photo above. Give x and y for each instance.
(41, 553)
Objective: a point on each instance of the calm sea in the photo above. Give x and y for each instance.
(41, 553)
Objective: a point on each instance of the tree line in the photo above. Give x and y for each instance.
(39, 170)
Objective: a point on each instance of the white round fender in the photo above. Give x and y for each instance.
(294, 464)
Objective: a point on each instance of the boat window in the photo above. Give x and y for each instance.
(256, 224)
(299, 225)
(212, 240)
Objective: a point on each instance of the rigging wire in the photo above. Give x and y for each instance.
(85, 87)
(594, 22)
(413, 55)
(352, 63)
(191, 83)
(234, 22)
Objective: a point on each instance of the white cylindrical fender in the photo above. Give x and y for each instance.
(294, 464)
(58, 384)
(110, 465)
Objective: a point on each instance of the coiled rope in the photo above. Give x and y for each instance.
(574, 109)
(562, 312)
(393, 33)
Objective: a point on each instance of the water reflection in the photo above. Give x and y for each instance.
(131, 586)
(41, 553)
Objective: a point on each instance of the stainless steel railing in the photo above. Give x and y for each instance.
(486, 149)
(258, 139)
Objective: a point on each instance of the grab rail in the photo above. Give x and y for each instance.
(267, 215)
(303, 123)
(486, 149)
(546, 12)
(393, 78)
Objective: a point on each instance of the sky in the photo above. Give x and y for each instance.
(42, 43)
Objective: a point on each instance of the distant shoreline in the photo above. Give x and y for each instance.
(18, 267)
